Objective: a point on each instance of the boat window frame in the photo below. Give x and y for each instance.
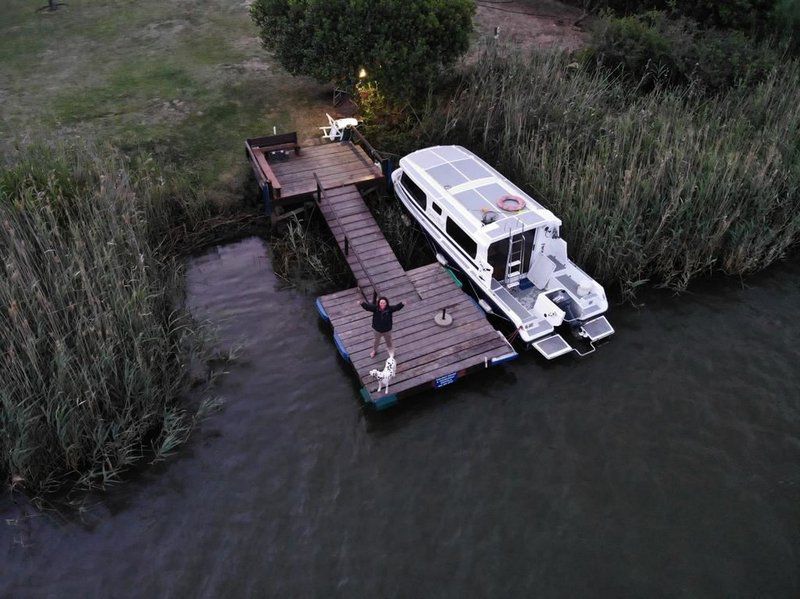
(414, 190)
(436, 208)
(460, 237)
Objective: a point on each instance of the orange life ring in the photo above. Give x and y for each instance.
(516, 203)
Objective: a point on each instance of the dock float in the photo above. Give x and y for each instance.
(429, 356)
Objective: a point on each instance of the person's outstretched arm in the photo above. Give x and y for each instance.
(369, 307)
(397, 307)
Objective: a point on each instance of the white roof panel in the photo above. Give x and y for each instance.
(455, 174)
(450, 153)
(447, 175)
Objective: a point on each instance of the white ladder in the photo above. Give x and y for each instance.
(516, 254)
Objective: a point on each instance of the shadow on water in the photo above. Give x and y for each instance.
(666, 464)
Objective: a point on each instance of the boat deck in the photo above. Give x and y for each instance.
(427, 355)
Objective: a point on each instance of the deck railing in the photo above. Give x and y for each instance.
(386, 162)
(357, 137)
(321, 196)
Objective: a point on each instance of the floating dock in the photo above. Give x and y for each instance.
(428, 355)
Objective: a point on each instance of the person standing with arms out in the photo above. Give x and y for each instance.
(382, 322)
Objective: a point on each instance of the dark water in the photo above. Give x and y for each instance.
(667, 464)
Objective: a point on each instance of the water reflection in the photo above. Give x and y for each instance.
(666, 464)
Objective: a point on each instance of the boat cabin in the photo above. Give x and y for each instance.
(479, 210)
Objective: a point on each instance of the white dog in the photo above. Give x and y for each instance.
(385, 375)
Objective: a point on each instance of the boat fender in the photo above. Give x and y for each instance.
(485, 306)
(511, 203)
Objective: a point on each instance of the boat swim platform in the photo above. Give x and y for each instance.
(428, 355)
(285, 171)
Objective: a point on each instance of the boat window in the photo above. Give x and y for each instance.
(414, 191)
(461, 238)
(436, 208)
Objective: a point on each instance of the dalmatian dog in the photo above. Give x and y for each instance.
(385, 375)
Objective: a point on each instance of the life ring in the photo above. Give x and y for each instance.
(511, 203)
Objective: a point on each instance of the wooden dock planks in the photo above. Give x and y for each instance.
(367, 249)
(425, 352)
(336, 164)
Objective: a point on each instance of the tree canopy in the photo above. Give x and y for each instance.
(402, 44)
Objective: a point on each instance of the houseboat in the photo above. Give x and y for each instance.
(507, 245)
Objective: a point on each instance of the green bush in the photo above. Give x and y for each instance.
(402, 44)
(653, 49)
(726, 14)
(785, 18)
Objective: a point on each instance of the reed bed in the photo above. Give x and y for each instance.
(93, 350)
(653, 188)
(305, 255)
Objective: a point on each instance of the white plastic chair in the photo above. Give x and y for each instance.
(332, 131)
(335, 127)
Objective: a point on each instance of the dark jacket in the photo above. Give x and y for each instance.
(382, 319)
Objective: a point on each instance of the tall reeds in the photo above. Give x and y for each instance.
(94, 348)
(306, 255)
(652, 188)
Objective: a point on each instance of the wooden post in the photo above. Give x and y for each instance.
(266, 198)
(386, 169)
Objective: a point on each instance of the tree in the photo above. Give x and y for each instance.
(402, 45)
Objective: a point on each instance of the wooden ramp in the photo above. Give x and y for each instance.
(368, 253)
(428, 355)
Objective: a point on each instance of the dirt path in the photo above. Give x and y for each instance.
(531, 23)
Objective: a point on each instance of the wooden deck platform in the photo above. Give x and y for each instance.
(428, 356)
(285, 171)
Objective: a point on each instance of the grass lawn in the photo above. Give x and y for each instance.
(185, 80)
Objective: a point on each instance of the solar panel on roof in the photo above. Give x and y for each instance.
(492, 192)
(472, 169)
(472, 200)
(450, 153)
(426, 159)
(446, 175)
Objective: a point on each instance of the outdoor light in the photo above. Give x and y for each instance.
(362, 73)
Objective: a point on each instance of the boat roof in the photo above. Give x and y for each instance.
(454, 176)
